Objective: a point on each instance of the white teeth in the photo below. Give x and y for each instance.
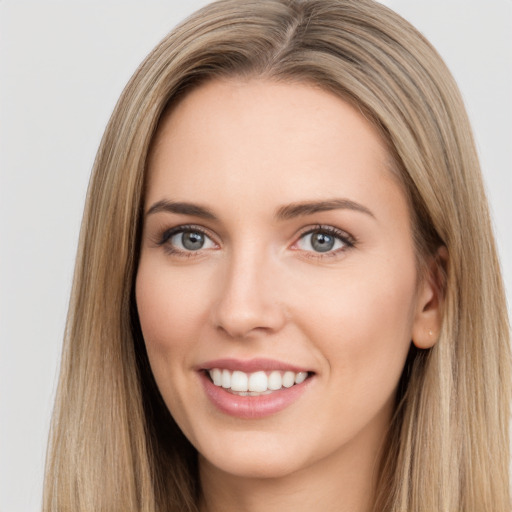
(216, 375)
(239, 381)
(226, 379)
(288, 379)
(275, 381)
(300, 377)
(257, 382)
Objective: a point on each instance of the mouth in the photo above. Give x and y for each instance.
(257, 383)
(254, 389)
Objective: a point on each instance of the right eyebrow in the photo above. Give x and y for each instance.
(181, 208)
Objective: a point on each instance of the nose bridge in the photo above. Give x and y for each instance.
(247, 301)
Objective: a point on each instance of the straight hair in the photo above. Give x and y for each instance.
(113, 444)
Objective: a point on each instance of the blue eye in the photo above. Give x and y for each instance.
(324, 240)
(186, 239)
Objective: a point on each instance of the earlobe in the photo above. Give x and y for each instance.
(430, 302)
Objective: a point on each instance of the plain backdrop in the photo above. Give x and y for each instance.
(62, 67)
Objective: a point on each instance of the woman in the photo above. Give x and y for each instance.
(287, 293)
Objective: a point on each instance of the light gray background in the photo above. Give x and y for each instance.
(62, 67)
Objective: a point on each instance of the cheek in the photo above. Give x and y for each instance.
(172, 308)
(362, 322)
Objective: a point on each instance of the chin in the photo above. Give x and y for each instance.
(251, 458)
(260, 456)
(262, 467)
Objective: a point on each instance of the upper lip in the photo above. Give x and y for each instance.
(251, 365)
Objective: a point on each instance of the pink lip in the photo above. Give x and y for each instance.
(251, 407)
(252, 365)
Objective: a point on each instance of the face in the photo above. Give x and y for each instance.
(277, 287)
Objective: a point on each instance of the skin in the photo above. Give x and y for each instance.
(243, 150)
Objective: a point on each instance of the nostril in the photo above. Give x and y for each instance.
(244, 309)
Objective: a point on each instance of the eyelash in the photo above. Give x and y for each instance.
(347, 240)
(169, 233)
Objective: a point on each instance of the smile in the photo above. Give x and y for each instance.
(253, 389)
(256, 383)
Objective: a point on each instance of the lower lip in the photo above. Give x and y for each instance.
(252, 407)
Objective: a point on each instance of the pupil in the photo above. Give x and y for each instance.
(192, 241)
(322, 242)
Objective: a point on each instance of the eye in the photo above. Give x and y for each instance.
(324, 239)
(183, 239)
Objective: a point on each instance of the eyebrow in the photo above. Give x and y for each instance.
(309, 207)
(286, 212)
(181, 207)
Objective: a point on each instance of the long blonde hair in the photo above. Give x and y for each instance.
(114, 445)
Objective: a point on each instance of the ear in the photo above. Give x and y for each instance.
(430, 302)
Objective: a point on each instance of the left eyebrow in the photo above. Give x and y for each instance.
(293, 210)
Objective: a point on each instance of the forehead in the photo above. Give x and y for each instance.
(262, 139)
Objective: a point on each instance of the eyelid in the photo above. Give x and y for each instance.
(348, 240)
(166, 234)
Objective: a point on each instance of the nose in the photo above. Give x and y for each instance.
(249, 301)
